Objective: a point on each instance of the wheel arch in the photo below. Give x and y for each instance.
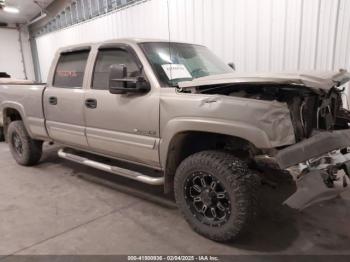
(253, 134)
(12, 112)
(179, 136)
(186, 143)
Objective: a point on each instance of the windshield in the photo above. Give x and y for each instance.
(176, 62)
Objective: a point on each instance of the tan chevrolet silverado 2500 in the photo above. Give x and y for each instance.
(176, 108)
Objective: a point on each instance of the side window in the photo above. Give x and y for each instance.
(70, 69)
(105, 59)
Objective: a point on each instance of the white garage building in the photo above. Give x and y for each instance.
(238, 151)
(263, 35)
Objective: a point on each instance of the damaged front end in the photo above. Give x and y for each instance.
(319, 179)
(318, 160)
(320, 165)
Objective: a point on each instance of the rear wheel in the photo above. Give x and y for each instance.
(25, 150)
(217, 194)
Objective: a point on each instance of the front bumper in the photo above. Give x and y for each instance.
(322, 170)
(312, 188)
(315, 146)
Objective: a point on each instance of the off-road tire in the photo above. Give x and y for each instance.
(31, 149)
(239, 182)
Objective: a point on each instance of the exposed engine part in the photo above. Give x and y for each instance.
(327, 111)
(302, 115)
(320, 179)
(309, 111)
(335, 158)
(342, 119)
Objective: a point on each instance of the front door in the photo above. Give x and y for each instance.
(125, 126)
(64, 100)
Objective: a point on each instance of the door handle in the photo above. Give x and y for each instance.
(91, 103)
(53, 100)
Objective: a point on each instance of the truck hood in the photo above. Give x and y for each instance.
(316, 81)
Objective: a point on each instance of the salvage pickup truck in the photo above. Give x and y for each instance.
(176, 108)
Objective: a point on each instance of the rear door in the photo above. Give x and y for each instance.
(64, 99)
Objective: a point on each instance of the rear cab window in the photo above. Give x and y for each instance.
(70, 69)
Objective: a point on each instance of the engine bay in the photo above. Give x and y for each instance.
(310, 111)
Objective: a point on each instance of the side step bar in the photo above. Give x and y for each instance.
(112, 169)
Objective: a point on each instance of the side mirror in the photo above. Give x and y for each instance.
(119, 83)
(232, 65)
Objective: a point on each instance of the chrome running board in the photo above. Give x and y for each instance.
(112, 169)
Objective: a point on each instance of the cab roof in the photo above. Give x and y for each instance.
(131, 41)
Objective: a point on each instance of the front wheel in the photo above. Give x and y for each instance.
(217, 194)
(25, 150)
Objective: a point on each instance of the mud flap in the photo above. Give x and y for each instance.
(312, 189)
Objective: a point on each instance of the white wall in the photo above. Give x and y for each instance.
(10, 53)
(258, 35)
(27, 53)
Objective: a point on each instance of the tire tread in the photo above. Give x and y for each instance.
(33, 148)
(243, 183)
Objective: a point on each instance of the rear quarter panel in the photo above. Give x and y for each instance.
(27, 100)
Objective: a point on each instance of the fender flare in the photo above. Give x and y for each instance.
(179, 125)
(18, 107)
